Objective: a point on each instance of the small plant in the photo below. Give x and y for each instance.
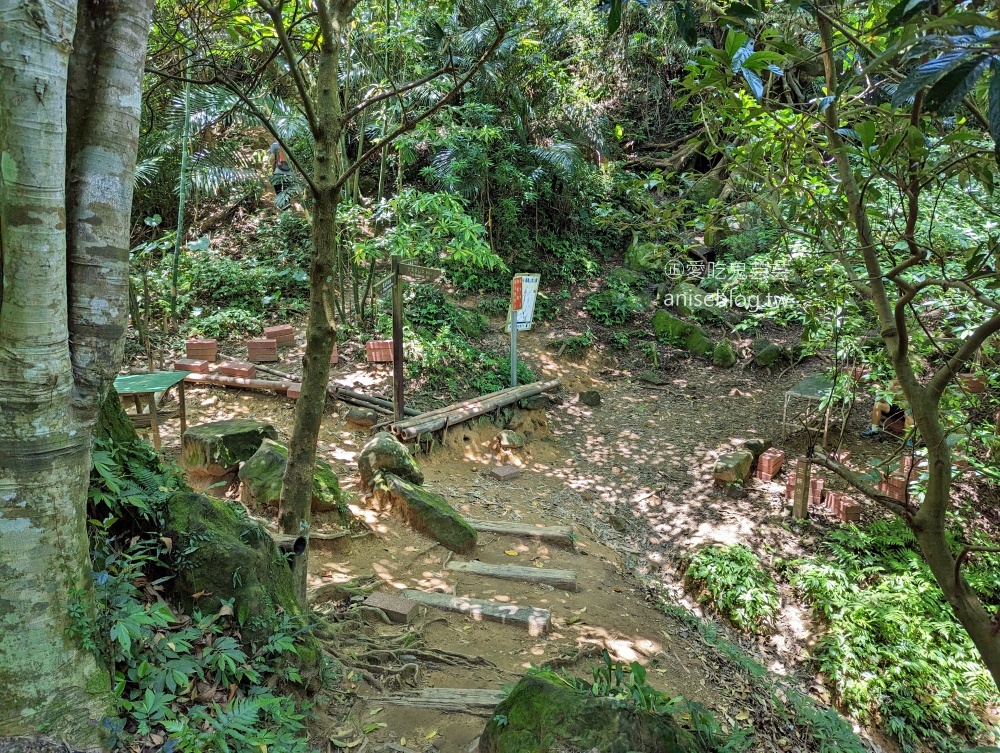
(612, 307)
(620, 340)
(735, 581)
(574, 346)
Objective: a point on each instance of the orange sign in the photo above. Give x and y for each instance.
(516, 289)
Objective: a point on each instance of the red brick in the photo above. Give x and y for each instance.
(262, 350)
(201, 349)
(834, 500)
(294, 390)
(379, 351)
(283, 333)
(239, 369)
(334, 356)
(190, 364)
(765, 475)
(850, 511)
(841, 457)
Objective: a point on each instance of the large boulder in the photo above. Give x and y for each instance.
(733, 467)
(690, 300)
(543, 714)
(261, 475)
(220, 446)
(681, 334)
(386, 453)
(428, 513)
(220, 555)
(767, 353)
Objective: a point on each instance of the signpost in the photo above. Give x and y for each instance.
(523, 291)
(399, 273)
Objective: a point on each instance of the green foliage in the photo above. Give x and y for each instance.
(429, 309)
(574, 346)
(893, 649)
(626, 684)
(613, 307)
(735, 581)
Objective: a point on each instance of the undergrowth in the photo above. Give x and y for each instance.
(183, 683)
(893, 649)
(733, 579)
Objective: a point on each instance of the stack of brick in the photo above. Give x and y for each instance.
(201, 350)
(262, 350)
(282, 333)
(769, 463)
(379, 351)
(238, 369)
(192, 364)
(843, 506)
(894, 487)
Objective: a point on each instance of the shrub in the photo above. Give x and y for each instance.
(735, 581)
(612, 307)
(893, 649)
(430, 309)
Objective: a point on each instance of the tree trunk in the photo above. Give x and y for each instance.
(296, 488)
(47, 680)
(64, 218)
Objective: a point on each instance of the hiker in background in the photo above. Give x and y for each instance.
(281, 174)
(890, 417)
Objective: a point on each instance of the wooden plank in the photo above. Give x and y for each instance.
(464, 700)
(562, 535)
(537, 620)
(564, 579)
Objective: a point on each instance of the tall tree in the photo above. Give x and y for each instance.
(70, 77)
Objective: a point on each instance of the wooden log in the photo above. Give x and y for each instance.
(375, 401)
(561, 535)
(462, 700)
(537, 620)
(461, 412)
(563, 579)
(246, 384)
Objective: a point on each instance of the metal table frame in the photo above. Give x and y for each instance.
(811, 389)
(147, 385)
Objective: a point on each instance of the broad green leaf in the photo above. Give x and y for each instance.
(948, 93)
(926, 74)
(615, 16)
(994, 108)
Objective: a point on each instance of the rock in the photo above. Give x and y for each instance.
(705, 189)
(757, 446)
(385, 452)
(509, 439)
(732, 467)
(681, 334)
(261, 480)
(363, 417)
(535, 402)
(428, 512)
(724, 357)
(218, 543)
(690, 300)
(653, 378)
(219, 447)
(542, 713)
(591, 398)
(771, 355)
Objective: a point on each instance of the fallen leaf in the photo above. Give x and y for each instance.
(574, 619)
(373, 712)
(430, 734)
(743, 716)
(369, 728)
(510, 553)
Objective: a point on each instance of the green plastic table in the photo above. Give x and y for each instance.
(811, 389)
(147, 385)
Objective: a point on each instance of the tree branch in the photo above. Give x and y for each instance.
(858, 482)
(409, 125)
(274, 11)
(365, 104)
(944, 375)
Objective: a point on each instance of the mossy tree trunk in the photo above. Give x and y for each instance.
(69, 114)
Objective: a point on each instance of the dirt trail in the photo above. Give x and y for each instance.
(634, 478)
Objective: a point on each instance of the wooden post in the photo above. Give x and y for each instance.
(397, 339)
(800, 499)
(513, 348)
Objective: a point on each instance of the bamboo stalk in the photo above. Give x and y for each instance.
(247, 384)
(462, 403)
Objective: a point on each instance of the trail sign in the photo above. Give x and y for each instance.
(384, 286)
(523, 290)
(416, 273)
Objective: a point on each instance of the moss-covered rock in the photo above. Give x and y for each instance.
(220, 554)
(767, 353)
(542, 715)
(220, 446)
(681, 334)
(385, 452)
(733, 467)
(428, 513)
(261, 480)
(705, 189)
(724, 356)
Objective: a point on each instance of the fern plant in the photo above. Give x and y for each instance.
(734, 580)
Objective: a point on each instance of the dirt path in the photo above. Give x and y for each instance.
(634, 478)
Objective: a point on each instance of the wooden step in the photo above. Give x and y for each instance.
(563, 579)
(463, 700)
(562, 535)
(537, 620)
